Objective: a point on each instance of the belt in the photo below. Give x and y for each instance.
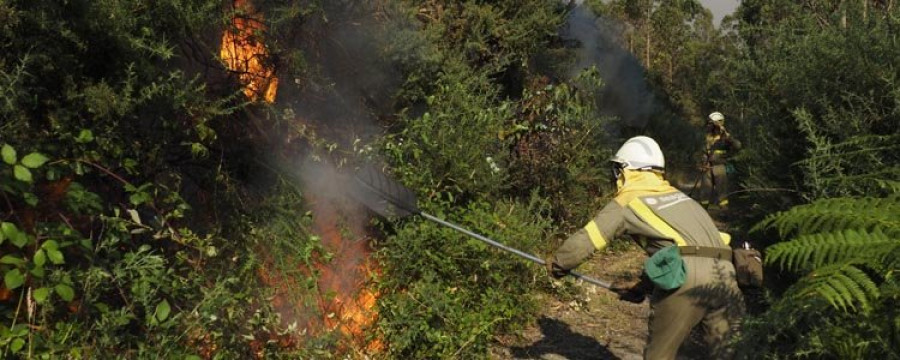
(720, 253)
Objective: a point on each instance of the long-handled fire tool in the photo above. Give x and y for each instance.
(388, 198)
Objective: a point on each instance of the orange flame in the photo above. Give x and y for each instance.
(245, 54)
(346, 298)
(348, 303)
(353, 315)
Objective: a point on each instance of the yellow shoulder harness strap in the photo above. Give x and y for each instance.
(655, 221)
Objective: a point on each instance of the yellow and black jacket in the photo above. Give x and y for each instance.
(719, 147)
(647, 207)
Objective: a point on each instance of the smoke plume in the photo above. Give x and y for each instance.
(625, 94)
(334, 86)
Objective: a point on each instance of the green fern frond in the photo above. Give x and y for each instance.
(889, 267)
(837, 214)
(817, 250)
(845, 287)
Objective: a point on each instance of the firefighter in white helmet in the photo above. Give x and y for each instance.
(716, 167)
(690, 261)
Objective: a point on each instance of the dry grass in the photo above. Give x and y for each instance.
(593, 325)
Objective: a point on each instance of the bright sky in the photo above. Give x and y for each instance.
(720, 8)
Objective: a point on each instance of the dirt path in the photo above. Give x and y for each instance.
(591, 323)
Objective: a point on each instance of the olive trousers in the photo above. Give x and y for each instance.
(710, 298)
(714, 186)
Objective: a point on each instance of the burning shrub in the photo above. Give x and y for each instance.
(118, 231)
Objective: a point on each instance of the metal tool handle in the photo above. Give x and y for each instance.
(509, 249)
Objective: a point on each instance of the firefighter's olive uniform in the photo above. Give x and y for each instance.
(719, 146)
(647, 207)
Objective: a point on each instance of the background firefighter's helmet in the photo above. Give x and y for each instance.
(640, 152)
(717, 117)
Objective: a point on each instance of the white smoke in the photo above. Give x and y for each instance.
(625, 93)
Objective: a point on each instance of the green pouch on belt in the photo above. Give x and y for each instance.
(729, 168)
(666, 268)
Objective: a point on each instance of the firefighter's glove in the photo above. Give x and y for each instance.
(631, 295)
(637, 292)
(554, 270)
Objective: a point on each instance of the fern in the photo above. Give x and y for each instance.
(844, 286)
(817, 250)
(849, 248)
(832, 215)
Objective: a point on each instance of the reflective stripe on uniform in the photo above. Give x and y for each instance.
(657, 223)
(726, 237)
(595, 235)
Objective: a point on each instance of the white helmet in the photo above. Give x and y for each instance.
(640, 152)
(717, 117)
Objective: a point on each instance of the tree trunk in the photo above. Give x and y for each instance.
(647, 49)
(671, 68)
(865, 10)
(843, 15)
(648, 27)
(631, 42)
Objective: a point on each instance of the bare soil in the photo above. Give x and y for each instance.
(590, 324)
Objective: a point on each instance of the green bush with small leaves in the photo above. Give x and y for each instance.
(448, 293)
(119, 236)
(500, 144)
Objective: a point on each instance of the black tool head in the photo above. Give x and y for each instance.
(382, 194)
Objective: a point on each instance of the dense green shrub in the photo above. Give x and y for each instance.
(787, 87)
(559, 147)
(833, 288)
(121, 234)
(162, 172)
(447, 294)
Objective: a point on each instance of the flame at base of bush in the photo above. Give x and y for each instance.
(347, 298)
(245, 54)
(343, 305)
(353, 315)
